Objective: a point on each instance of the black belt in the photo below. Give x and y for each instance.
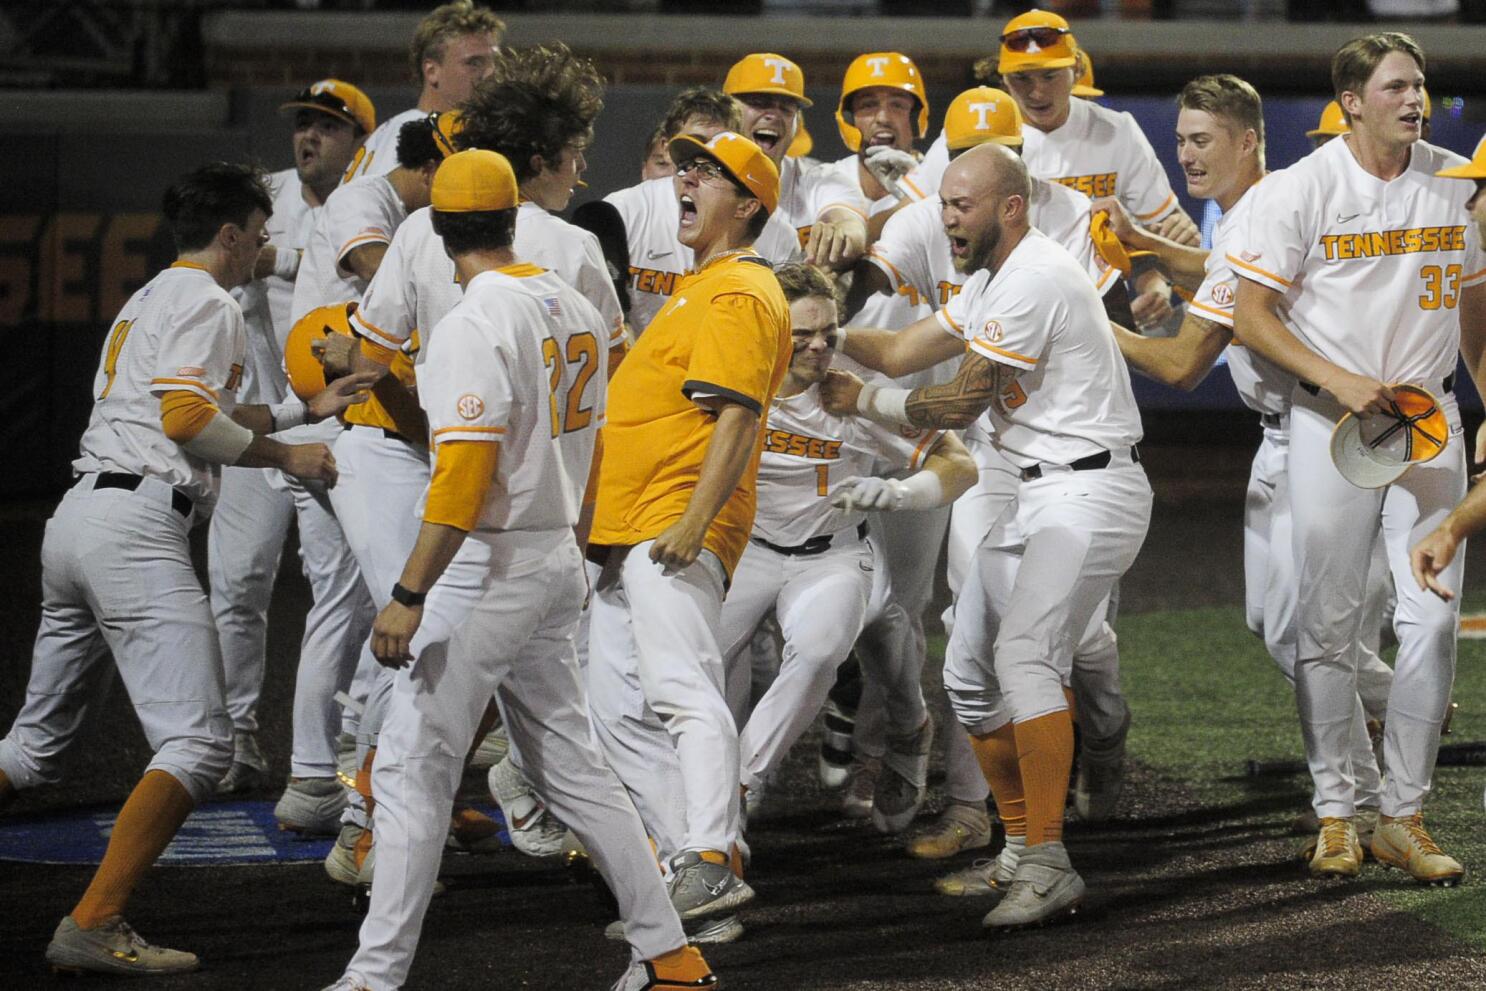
(389, 434)
(1275, 420)
(815, 545)
(1315, 390)
(1092, 463)
(179, 501)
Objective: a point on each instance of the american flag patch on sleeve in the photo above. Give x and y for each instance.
(553, 306)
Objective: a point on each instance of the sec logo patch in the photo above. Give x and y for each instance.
(470, 406)
(1222, 294)
(993, 331)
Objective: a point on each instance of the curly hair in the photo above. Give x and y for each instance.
(443, 25)
(704, 102)
(800, 281)
(537, 101)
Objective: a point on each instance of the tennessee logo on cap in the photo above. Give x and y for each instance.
(743, 160)
(338, 99)
(980, 115)
(766, 72)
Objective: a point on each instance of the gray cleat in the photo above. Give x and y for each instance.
(989, 877)
(113, 948)
(1101, 776)
(311, 806)
(249, 770)
(903, 782)
(1044, 888)
(701, 889)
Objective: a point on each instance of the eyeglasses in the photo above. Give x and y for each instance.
(1028, 39)
(706, 168)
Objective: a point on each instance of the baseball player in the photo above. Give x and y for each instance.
(538, 110)
(251, 521)
(1042, 362)
(453, 49)
(116, 561)
(651, 215)
(345, 250)
(488, 600)
(1333, 124)
(809, 558)
(688, 399)
(826, 210)
(657, 162)
(1220, 144)
(915, 256)
(1352, 288)
(1083, 85)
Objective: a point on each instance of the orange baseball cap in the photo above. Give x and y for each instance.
(474, 181)
(446, 127)
(743, 160)
(891, 69)
(982, 115)
(1038, 39)
(338, 99)
(1084, 85)
(306, 372)
(765, 72)
(1332, 122)
(1474, 169)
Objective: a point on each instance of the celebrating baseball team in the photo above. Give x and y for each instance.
(608, 512)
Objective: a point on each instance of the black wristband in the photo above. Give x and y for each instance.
(407, 596)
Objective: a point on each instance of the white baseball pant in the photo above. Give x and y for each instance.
(244, 542)
(117, 578)
(1335, 524)
(662, 625)
(501, 621)
(1081, 531)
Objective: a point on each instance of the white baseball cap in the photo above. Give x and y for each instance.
(1376, 451)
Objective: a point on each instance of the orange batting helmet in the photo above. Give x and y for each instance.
(306, 373)
(891, 69)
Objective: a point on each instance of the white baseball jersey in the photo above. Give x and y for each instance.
(881, 310)
(1040, 315)
(657, 261)
(367, 211)
(805, 192)
(415, 287)
(1262, 386)
(378, 154)
(266, 302)
(180, 331)
(1097, 151)
(522, 360)
(1371, 271)
(809, 453)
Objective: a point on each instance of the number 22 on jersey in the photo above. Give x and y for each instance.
(570, 413)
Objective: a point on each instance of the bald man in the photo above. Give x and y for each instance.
(1037, 358)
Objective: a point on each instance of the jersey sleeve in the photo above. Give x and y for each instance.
(956, 316)
(388, 313)
(352, 221)
(1271, 250)
(1011, 323)
(1144, 188)
(595, 285)
(200, 352)
(1213, 299)
(902, 253)
(926, 177)
(829, 189)
(465, 384)
(901, 447)
(735, 350)
(779, 243)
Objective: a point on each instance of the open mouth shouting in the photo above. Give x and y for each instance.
(884, 138)
(688, 212)
(767, 138)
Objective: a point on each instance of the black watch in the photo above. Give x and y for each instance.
(407, 596)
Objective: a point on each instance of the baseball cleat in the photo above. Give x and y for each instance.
(1404, 843)
(346, 763)
(701, 889)
(709, 932)
(834, 763)
(1365, 821)
(903, 781)
(343, 862)
(492, 750)
(473, 831)
(249, 770)
(348, 982)
(311, 806)
(112, 947)
(678, 970)
(861, 787)
(534, 830)
(1337, 852)
(989, 877)
(959, 827)
(1101, 776)
(1044, 888)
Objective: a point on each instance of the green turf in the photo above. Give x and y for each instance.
(1207, 698)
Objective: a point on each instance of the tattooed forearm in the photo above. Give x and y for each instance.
(956, 404)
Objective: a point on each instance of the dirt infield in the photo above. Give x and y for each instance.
(1181, 895)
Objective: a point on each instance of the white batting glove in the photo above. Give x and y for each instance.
(889, 165)
(867, 494)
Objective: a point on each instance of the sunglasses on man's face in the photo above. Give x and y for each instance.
(1028, 39)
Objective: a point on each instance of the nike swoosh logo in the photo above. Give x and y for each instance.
(658, 254)
(521, 822)
(1347, 219)
(715, 889)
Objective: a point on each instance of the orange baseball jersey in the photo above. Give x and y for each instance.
(724, 333)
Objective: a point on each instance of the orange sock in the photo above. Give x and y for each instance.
(155, 810)
(997, 754)
(715, 857)
(1045, 752)
(364, 781)
(685, 965)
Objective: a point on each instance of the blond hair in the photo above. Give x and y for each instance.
(1355, 62)
(443, 25)
(1229, 97)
